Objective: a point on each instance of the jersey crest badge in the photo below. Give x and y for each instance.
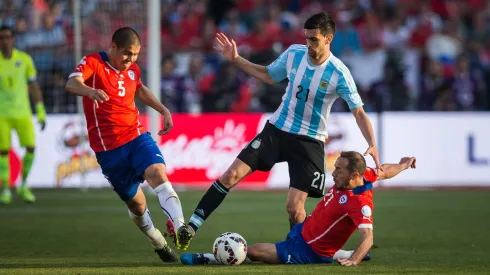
(17, 64)
(256, 143)
(323, 84)
(131, 74)
(343, 199)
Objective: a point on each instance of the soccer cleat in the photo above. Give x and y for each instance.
(194, 259)
(170, 232)
(26, 194)
(184, 236)
(6, 196)
(166, 254)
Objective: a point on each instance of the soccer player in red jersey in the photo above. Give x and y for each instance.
(109, 82)
(347, 206)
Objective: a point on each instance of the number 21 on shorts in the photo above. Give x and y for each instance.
(315, 183)
(120, 88)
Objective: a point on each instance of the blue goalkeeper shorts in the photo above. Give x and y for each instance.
(124, 166)
(295, 250)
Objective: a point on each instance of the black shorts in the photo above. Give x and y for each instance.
(305, 157)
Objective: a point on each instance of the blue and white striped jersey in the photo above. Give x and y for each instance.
(311, 91)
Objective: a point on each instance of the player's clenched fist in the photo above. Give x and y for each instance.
(98, 96)
(408, 162)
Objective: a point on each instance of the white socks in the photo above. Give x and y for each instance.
(211, 258)
(145, 224)
(343, 254)
(170, 204)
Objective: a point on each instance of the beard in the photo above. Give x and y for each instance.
(341, 185)
(313, 54)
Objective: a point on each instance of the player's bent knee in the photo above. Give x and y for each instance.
(155, 174)
(136, 208)
(230, 178)
(294, 209)
(253, 252)
(296, 212)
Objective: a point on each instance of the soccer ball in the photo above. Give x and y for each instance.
(230, 249)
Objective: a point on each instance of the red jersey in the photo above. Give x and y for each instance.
(338, 215)
(115, 122)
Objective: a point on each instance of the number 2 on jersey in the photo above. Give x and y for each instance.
(121, 89)
(300, 90)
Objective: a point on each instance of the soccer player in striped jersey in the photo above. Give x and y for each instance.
(347, 207)
(109, 82)
(297, 131)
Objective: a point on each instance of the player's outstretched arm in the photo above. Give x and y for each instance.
(367, 131)
(362, 249)
(146, 96)
(76, 86)
(229, 51)
(391, 170)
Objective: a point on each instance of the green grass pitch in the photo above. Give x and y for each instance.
(73, 232)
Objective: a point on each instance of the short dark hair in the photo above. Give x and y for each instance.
(7, 28)
(125, 37)
(321, 21)
(357, 162)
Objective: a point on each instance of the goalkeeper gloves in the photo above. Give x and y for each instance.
(41, 115)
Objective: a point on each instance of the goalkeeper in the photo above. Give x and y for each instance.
(17, 79)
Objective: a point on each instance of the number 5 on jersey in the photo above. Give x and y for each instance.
(121, 89)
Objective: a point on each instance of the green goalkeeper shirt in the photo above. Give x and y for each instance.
(15, 75)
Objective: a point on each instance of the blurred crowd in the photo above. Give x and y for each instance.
(405, 55)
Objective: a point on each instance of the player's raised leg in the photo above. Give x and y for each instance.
(260, 154)
(212, 199)
(140, 214)
(148, 162)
